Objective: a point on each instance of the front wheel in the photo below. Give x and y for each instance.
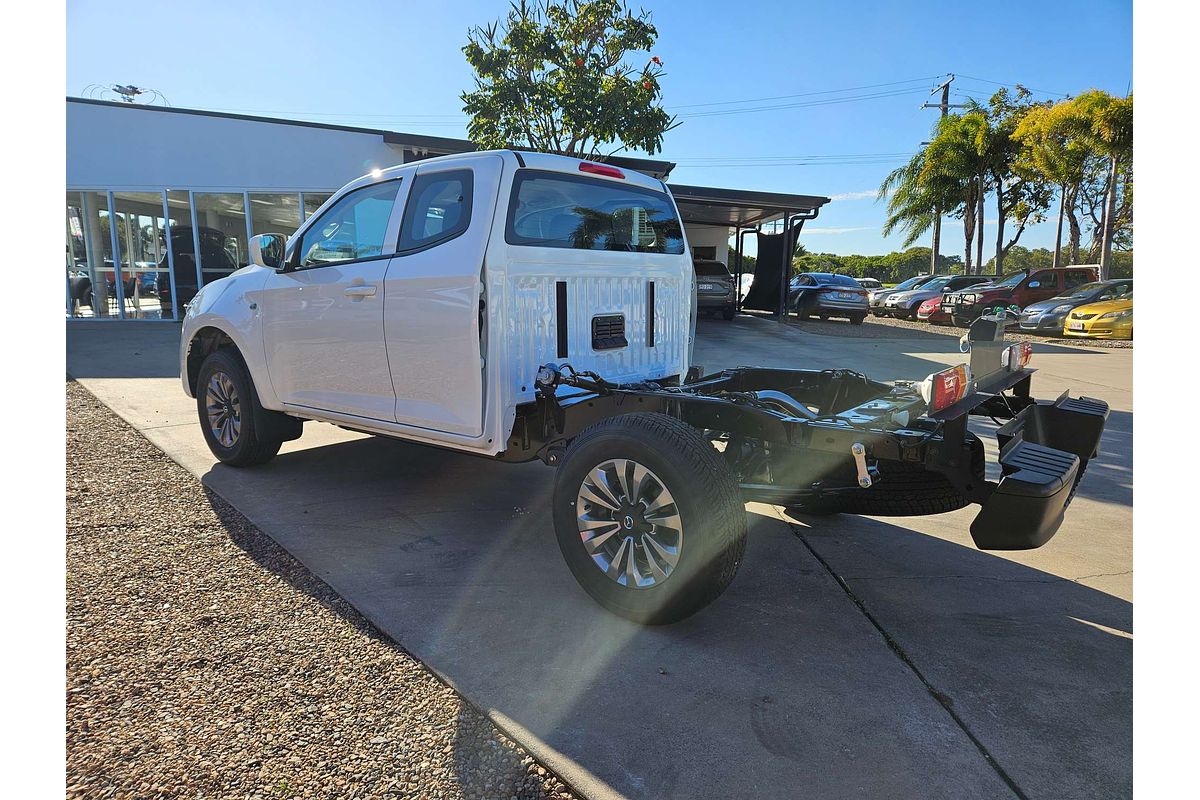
(648, 518)
(229, 412)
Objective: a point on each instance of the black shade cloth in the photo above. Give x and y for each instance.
(769, 271)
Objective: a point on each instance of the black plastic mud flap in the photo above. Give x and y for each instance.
(1043, 452)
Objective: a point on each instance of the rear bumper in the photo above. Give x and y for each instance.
(1044, 450)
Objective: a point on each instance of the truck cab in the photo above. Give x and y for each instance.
(422, 299)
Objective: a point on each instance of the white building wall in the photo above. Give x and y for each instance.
(137, 149)
(709, 236)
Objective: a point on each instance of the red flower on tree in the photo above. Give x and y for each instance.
(646, 85)
(657, 60)
(579, 62)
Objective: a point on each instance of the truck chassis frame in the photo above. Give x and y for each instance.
(799, 438)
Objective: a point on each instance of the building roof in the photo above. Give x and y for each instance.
(738, 208)
(698, 205)
(414, 143)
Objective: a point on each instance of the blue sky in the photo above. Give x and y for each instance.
(398, 65)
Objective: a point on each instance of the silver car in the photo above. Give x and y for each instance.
(826, 294)
(905, 304)
(877, 298)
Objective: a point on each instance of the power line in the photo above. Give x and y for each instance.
(1013, 84)
(808, 104)
(807, 94)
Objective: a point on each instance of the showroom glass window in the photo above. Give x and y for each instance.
(141, 245)
(223, 245)
(274, 213)
(352, 229)
(438, 209)
(311, 201)
(556, 210)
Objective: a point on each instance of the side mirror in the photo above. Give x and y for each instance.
(267, 250)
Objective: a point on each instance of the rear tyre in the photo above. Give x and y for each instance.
(857, 319)
(728, 314)
(648, 518)
(229, 412)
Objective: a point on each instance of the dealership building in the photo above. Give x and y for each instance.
(162, 200)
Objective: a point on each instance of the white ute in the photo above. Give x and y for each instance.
(525, 306)
(419, 302)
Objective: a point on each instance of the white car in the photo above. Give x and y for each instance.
(524, 306)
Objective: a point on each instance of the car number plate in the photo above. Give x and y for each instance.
(843, 295)
(708, 286)
(1076, 326)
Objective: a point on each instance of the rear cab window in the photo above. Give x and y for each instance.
(552, 209)
(438, 209)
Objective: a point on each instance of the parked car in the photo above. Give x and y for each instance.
(1048, 316)
(1107, 319)
(931, 311)
(522, 306)
(877, 298)
(906, 304)
(714, 288)
(215, 261)
(870, 284)
(1014, 291)
(826, 294)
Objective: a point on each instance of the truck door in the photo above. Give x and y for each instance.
(1041, 286)
(322, 319)
(433, 296)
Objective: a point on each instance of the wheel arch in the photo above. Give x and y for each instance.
(208, 337)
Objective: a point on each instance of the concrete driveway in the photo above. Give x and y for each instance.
(852, 657)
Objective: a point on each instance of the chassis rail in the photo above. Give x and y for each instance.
(793, 436)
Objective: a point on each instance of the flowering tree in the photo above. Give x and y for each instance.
(553, 76)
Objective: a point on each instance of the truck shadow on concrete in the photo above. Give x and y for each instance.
(794, 681)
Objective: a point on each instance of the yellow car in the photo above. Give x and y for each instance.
(1110, 319)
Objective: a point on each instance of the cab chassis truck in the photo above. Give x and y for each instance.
(465, 266)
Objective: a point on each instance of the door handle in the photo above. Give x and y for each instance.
(359, 292)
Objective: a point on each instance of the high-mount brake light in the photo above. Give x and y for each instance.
(943, 389)
(1016, 356)
(601, 169)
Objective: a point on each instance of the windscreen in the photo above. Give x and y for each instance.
(550, 209)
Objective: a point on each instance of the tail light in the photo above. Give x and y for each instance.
(943, 389)
(1015, 357)
(601, 169)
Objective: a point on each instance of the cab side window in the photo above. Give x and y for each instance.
(1044, 280)
(352, 229)
(1076, 277)
(439, 208)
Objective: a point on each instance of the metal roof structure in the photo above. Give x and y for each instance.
(739, 208)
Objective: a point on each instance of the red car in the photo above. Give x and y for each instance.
(931, 311)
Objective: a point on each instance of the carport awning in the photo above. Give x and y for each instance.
(737, 208)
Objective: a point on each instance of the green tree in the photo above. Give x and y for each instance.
(553, 77)
(915, 193)
(1022, 197)
(1052, 146)
(1110, 131)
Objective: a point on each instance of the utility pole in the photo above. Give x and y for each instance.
(937, 212)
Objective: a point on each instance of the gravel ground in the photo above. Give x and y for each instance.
(204, 661)
(891, 328)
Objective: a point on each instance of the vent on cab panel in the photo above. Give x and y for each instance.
(608, 332)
